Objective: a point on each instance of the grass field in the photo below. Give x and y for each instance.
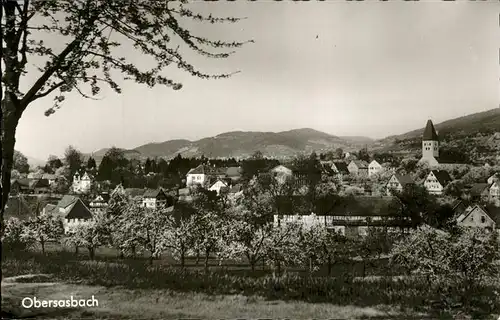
(121, 303)
(132, 289)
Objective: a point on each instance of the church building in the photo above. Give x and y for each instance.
(430, 145)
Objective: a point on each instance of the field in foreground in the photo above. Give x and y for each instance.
(121, 303)
(137, 290)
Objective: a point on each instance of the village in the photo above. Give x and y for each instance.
(372, 185)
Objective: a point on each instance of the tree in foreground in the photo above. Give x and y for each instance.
(464, 260)
(91, 235)
(13, 236)
(44, 227)
(95, 35)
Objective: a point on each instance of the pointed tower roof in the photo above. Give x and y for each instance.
(430, 132)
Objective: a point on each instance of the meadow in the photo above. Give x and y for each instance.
(132, 287)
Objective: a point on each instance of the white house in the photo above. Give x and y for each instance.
(397, 183)
(153, 198)
(475, 216)
(100, 203)
(436, 181)
(217, 186)
(374, 167)
(50, 177)
(81, 183)
(494, 193)
(72, 211)
(197, 176)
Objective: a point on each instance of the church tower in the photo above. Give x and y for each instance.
(430, 144)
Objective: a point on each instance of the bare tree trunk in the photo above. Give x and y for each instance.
(197, 257)
(183, 262)
(42, 242)
(207, 253)
(329, 265)
(9, 121)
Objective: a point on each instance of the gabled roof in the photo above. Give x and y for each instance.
(103, 197)
(201, 169)
(374, 162)
(471, 209)
(78, 210)
(66, 201)
(218, 180)
(361, 164)
(430, 132)
(39, 183)
(442, 176)
(153, 193)
(341, 166)
(404, 179)
(478, 188)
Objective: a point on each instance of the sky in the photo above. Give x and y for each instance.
(365, 68)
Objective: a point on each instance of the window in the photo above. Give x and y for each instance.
(483, 219)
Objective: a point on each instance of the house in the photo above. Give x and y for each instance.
(81, 183)
(154, 198)
(354, 215)
(39, 186)
(374, 167)
(494, 178)
(281, 173)
(100, 203)
(430, 145)
(436, 181)
(397, 182)
(358, 167)
(494, 193)
(52, 178)
(72, 210)
(340, 170)
(218, 185)
(479, 192)
(198, 175)
(476, 216)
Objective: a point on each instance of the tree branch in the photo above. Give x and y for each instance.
(43, 94)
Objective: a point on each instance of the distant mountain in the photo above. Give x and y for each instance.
(245, 143)
(99, 154)
(481, 122)
(477, 133)
(34, 162)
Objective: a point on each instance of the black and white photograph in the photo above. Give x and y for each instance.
(182, 159)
